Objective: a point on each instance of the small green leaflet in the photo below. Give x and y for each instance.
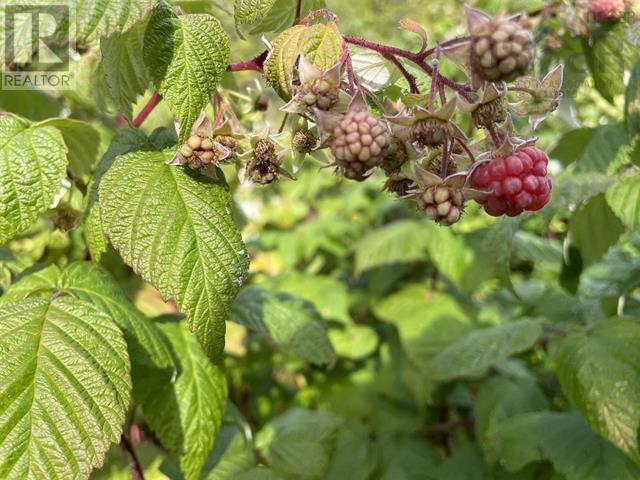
(174, 227)
(33, 161)
(186, 56)
(186, 414)
(599, 372)
(66, 382)
(624, 200)
(291, 322)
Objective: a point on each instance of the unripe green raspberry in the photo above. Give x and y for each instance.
(320, 94)
(441, 203)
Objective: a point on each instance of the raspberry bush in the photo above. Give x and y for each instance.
(294, 239)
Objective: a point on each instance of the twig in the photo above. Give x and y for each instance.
(147, 109)
(136, 469)
(255, 64)
(411, 80)
(298, 12)
(555, 331)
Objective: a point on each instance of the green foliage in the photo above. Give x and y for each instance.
(186, 56)
(32, 168)
(66, 371)
(176, 230)
(364, 341)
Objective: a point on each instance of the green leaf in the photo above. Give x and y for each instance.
(565, 440)
(405, 458)
(33, 161)
(250, 11)
(354, 456)
(65, 385)
(95, 19)
(572, 145)
(126, 75)
(354, 341)
(541, 251)
(399, 242)
(186, 56)
(473, 354)
(32, 104)
(501, 398)
(599, 372)
(175, 228)
(82, 140)
(374, 71)
(624, 199)
(88, 282)
(594, 228)
(616, 274)
(300, 443)
(321, 44)
(426, 321)
(329, 295)
(292, 323)
(126, 140)
(497, 245)
(232, 453)
(186, 414)
(571, 187)
(608, 55)
(632, 102)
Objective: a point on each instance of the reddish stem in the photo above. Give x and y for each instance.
(147, 109)
(417, 58)
(411, 80)
(255, 64)
(555, 331)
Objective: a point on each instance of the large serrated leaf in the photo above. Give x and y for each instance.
(126, 75)
(186, 414)
(291, 322)
(175, 228)
(321, 44)
(125, 140)
(261, 16)
(186, 56)
(65, 386)
(473, 354)
(97, 18)
(33, 161)
(90, 283)
(599, 372)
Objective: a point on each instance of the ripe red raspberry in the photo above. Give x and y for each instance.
(516, 183)
(608, 10)
(359, 142)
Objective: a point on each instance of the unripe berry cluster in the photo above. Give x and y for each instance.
(501, 50)
(442, 204)
(359, 142)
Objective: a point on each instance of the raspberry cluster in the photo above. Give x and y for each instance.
(501, 50)
(516, 183)
(431, 132)
(359, 142)
(263, 168)
(200, 151)
(442, 204)
(319, 93)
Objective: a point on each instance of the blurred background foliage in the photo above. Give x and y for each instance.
(434, 334)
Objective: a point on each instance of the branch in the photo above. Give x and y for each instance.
(417, 58)
(255, 64)
(411, 80)
(134, 463)
(147, 109)
(555, 331)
